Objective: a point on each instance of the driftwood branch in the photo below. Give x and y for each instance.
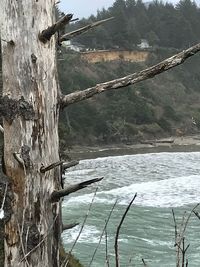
(118, 230)
(46, 35)
(50, 167)
(67, 165)
(56, 195)
(136, 77)
(70, 35)
(69, 226)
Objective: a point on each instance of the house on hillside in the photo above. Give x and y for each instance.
(75, 46)
(144, 44)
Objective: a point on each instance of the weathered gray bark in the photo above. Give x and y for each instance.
(30, 108)
(30, 111)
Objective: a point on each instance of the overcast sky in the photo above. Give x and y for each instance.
(84, 8)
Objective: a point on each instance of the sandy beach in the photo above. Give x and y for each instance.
(171, 144)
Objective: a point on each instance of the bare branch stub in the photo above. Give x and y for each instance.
(131, 79)
(67, 165)
(82, 30)
(50, 167)
(73, 20)
(46, 35)
(56, 195)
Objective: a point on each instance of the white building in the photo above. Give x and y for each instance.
(144, 44)
(73, 46)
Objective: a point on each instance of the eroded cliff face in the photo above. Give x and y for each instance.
(109, 55)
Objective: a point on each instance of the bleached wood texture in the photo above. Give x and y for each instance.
(30, 111)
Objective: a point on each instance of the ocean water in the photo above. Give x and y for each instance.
(162, 181)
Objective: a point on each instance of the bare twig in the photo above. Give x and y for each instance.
(175, 226)
(197, 214)
(66, 260)
(188, 218)
(143, 261)
(39, 244)
(106, 240)
(176, 244)
(22, 244)
(179, 237)
(50, 167)
(27, 233)
(82, 30)
(134, 78)
(118, 230)
(46, 35)
(102, 233)
(56, 195)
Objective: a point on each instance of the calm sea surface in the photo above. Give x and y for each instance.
(162, 181)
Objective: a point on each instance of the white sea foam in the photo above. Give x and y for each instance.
(90, 234)
(172, 192)
(161, 180)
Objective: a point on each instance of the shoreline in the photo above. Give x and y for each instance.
(172, 144)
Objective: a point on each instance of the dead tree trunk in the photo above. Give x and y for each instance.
(30, 119)
(30, 109)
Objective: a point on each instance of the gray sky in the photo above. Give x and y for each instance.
(84, 8)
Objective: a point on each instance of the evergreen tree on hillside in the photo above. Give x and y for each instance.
(162, 24)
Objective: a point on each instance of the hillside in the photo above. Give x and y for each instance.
(164, 106)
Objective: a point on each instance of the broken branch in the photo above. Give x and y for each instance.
(46, 35)
(72, 20)
(70, 164)
(136, 77)
(56, 195)
(70, 35)
(50, 167)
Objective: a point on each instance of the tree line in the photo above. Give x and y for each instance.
(162, 24)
